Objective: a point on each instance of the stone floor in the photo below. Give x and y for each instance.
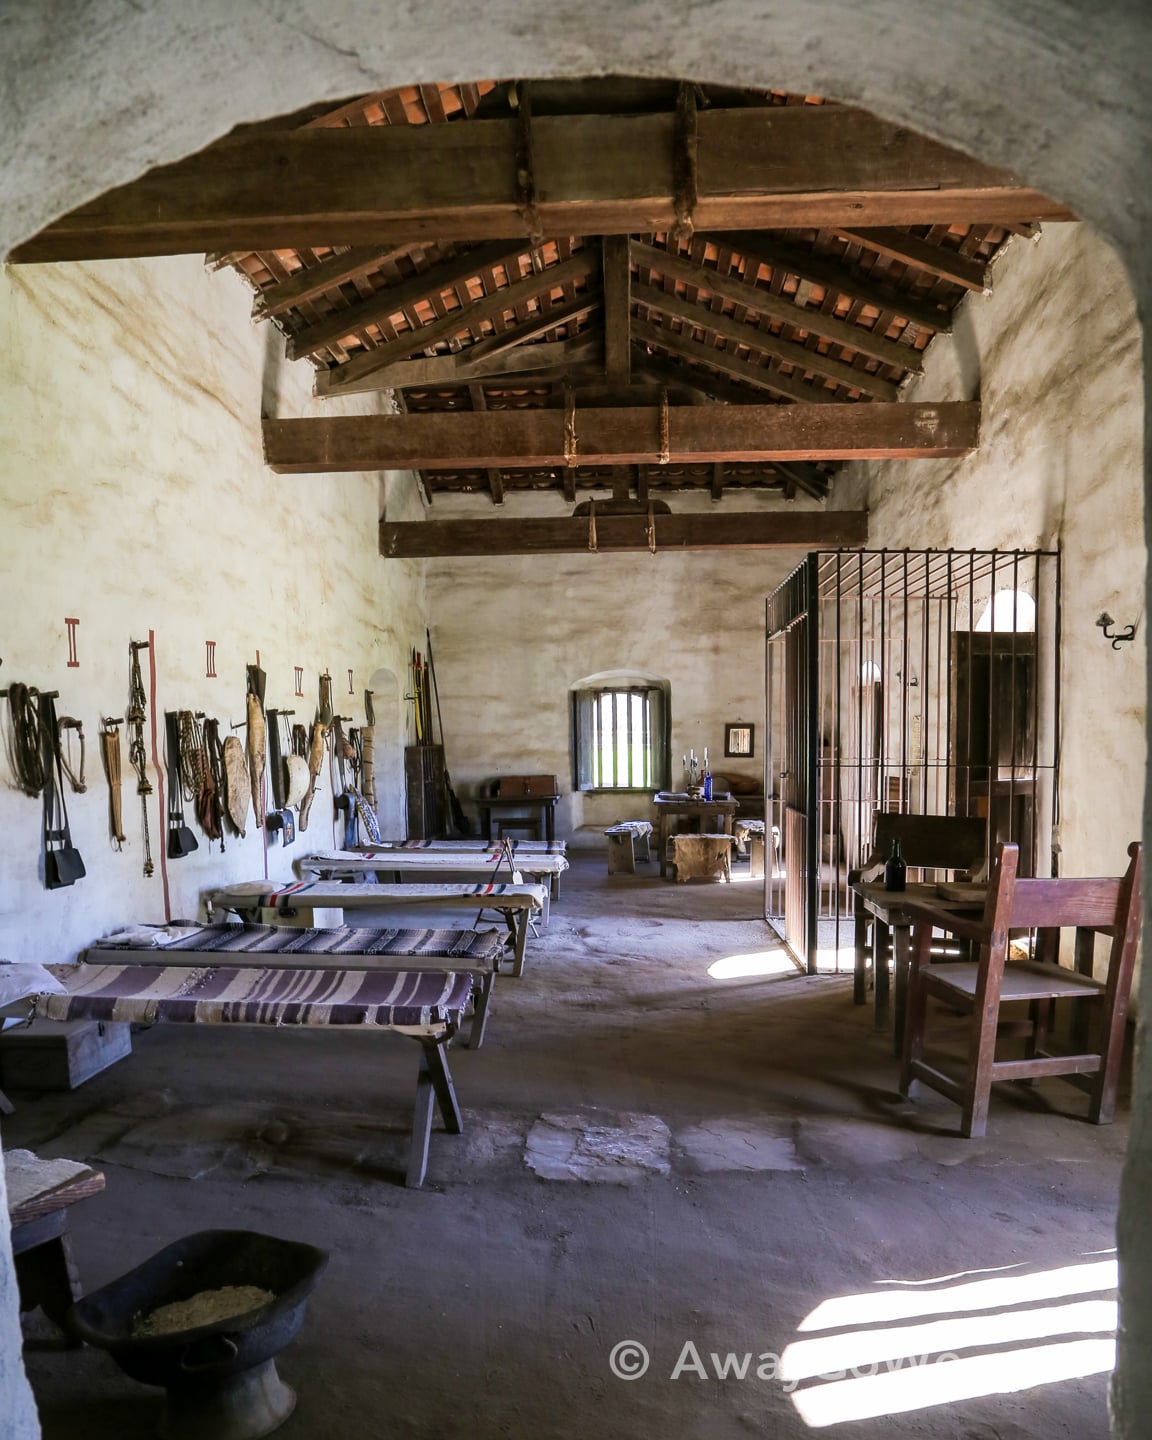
(652, 1155)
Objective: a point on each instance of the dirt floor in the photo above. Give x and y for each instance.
(651, 1155)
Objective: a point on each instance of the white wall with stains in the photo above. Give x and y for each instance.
(513, 634)
(134, 498)
(1054, 356)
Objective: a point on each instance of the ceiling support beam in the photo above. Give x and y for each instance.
(676, 342)
(551, 360)
(392, 299)
(549, 318)
(803, 361)
(948, 265)
(772, 167)
(716, 530)
(832, 275)
(617, 285)
(495, 478)
(317, 280)
(517, 439)
(776, 307)
(464, 317)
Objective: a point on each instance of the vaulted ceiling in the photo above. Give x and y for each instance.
(570, 286)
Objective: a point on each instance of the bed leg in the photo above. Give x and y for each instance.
(482, 995)
(521, 933)
(437, 1058)
(421, 1125)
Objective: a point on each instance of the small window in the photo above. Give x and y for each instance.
(620, 737)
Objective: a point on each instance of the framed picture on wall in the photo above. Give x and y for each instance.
(739, 739)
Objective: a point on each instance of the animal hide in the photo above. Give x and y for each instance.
(257, 753)
(315, 766)
(368, 763)
(296, 787)
(701, 857)
(237, 783)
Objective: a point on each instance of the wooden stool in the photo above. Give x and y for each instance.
(40, 1193)
(701, 857)
(622, 841)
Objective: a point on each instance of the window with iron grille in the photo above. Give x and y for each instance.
(620, 737)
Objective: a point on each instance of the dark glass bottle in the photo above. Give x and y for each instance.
(895, 871)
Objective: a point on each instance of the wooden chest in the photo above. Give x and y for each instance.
(60, 1054)
(513, 787)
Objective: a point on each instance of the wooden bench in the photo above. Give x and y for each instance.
(622, 841)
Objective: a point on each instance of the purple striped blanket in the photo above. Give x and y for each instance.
(223, 995)
(482, 847)
(340, 940)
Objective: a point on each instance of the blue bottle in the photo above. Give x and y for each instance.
(707, 785)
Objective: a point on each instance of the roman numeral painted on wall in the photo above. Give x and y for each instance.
(351, 687)
(73, 658)
(299, 680)
(210, 659)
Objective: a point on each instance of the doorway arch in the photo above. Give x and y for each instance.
(384, 688)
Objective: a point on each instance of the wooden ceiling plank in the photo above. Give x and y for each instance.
(937, 260)
(418, 289)
(617, 286)
(579, 266)
(492, 472)
(763, 302)
(514, 439)
(766, 250)
(757, 168)
(539, 535)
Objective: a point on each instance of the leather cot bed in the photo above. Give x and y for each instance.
(112, 984)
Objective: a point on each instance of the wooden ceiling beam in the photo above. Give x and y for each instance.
(513, 439)
(949, 265)
(551, 359)
(536, 535)
(494, 477)
(830, 274)
(771, 381)
(803, 360)
(549, 318)
(465, 317)
(417, 289)
(776, 307)
(617, 286)
(756, 168)
(317, 280)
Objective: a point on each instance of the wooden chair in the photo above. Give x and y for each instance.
(953, 843)
(1108, 907)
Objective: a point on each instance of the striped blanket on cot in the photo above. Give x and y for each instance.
(427, 1000)
(481, 847)
(472, 945)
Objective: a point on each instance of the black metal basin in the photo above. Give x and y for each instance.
(220, 1378)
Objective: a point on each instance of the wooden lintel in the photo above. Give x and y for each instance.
(949, 265)
(715, 530)
(517, 439)
(756, 168)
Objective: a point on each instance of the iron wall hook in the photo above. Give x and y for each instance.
(1105, 622)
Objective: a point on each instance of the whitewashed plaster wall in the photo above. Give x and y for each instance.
(134, 498)
(512, 634)
(1054, 356)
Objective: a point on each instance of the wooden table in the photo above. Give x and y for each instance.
(673, 807)
(541, 812)
(891, 916)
